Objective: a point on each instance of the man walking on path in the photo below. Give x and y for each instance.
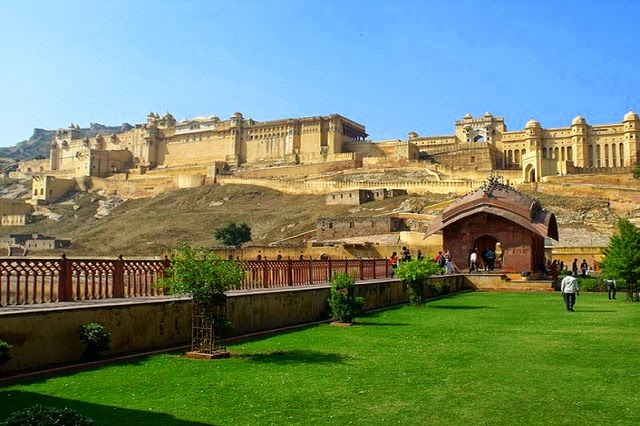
(569, 288)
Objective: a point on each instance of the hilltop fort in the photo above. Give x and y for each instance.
(163, 154)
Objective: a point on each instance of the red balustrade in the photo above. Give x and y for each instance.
(31, 281)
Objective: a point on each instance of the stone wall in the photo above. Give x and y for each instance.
(331, 228)
(48, 335)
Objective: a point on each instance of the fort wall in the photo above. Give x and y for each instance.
(323, 187)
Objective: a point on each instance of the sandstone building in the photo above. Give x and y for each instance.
(485, 144)
(163, 142)
(477, 146)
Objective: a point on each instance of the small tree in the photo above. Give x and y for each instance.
(205, 277)
(233, 234)
(636, 171)
(622, 257)
(5, 348)
(345, 306)
(95, 337)
(416, 275)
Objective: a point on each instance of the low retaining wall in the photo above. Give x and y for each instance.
(46, 335)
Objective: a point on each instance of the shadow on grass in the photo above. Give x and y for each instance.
(295, 356)
(14, 400)
(461, 307)
(381, 324)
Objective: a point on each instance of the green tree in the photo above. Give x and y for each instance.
(622, 257)
(636, 171)
(205, 277)
(344, 303)
(416, 274)
(233, 234)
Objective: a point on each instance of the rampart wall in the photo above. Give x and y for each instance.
(323, 187)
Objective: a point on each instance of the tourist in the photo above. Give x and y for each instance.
(420, 256)
(574, 267)
(611, 288)
(406, 254)
(483, 256)
(569, 288)
(438, 257)
(448, 262)
(554, 273)
(393, 260)
(584, 267)
(473, 260)
(491, 258)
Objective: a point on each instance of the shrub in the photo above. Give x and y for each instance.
(96, 338)
(4, 352)
(416, 275)
(345, 306)
(40, 415)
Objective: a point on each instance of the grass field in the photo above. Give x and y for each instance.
(476, 358)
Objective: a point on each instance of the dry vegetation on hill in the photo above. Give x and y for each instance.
(148, 227)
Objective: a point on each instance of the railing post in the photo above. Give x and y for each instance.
(65, 286)
(374, 268)
(265, 273)
(361, 269)
(118, 278)
(289, 271)
(346, 266)
(310, 270)
(330, 270)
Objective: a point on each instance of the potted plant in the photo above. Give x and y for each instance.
(95, 337)
(345, 306)
(416, 275)
(205, 277)
(5, 348)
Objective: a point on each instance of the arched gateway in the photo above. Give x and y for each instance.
(497, 213)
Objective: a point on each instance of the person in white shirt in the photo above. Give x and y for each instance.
(473, 261)
(569, 288)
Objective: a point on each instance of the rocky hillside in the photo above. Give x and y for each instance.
(37, 146)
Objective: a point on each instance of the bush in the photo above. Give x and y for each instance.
(96, 338)
(4, 352)
(40, 415)
(345, 306)
(416, 275)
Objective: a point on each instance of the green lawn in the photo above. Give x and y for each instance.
(476, 358)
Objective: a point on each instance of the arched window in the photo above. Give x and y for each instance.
(621, 155)
(613, 155)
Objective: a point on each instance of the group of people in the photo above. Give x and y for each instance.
(488, 258)
(445, 261)
(396, 260)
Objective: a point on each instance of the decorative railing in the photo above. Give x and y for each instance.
(35, 281)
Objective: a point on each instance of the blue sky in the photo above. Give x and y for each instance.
(394, 66)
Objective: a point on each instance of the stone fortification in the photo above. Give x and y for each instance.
(323, 144)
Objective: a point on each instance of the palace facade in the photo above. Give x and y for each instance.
(162, 142)
(484, 144)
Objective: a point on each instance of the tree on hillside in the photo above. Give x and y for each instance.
(622, 257)
(233, 234)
